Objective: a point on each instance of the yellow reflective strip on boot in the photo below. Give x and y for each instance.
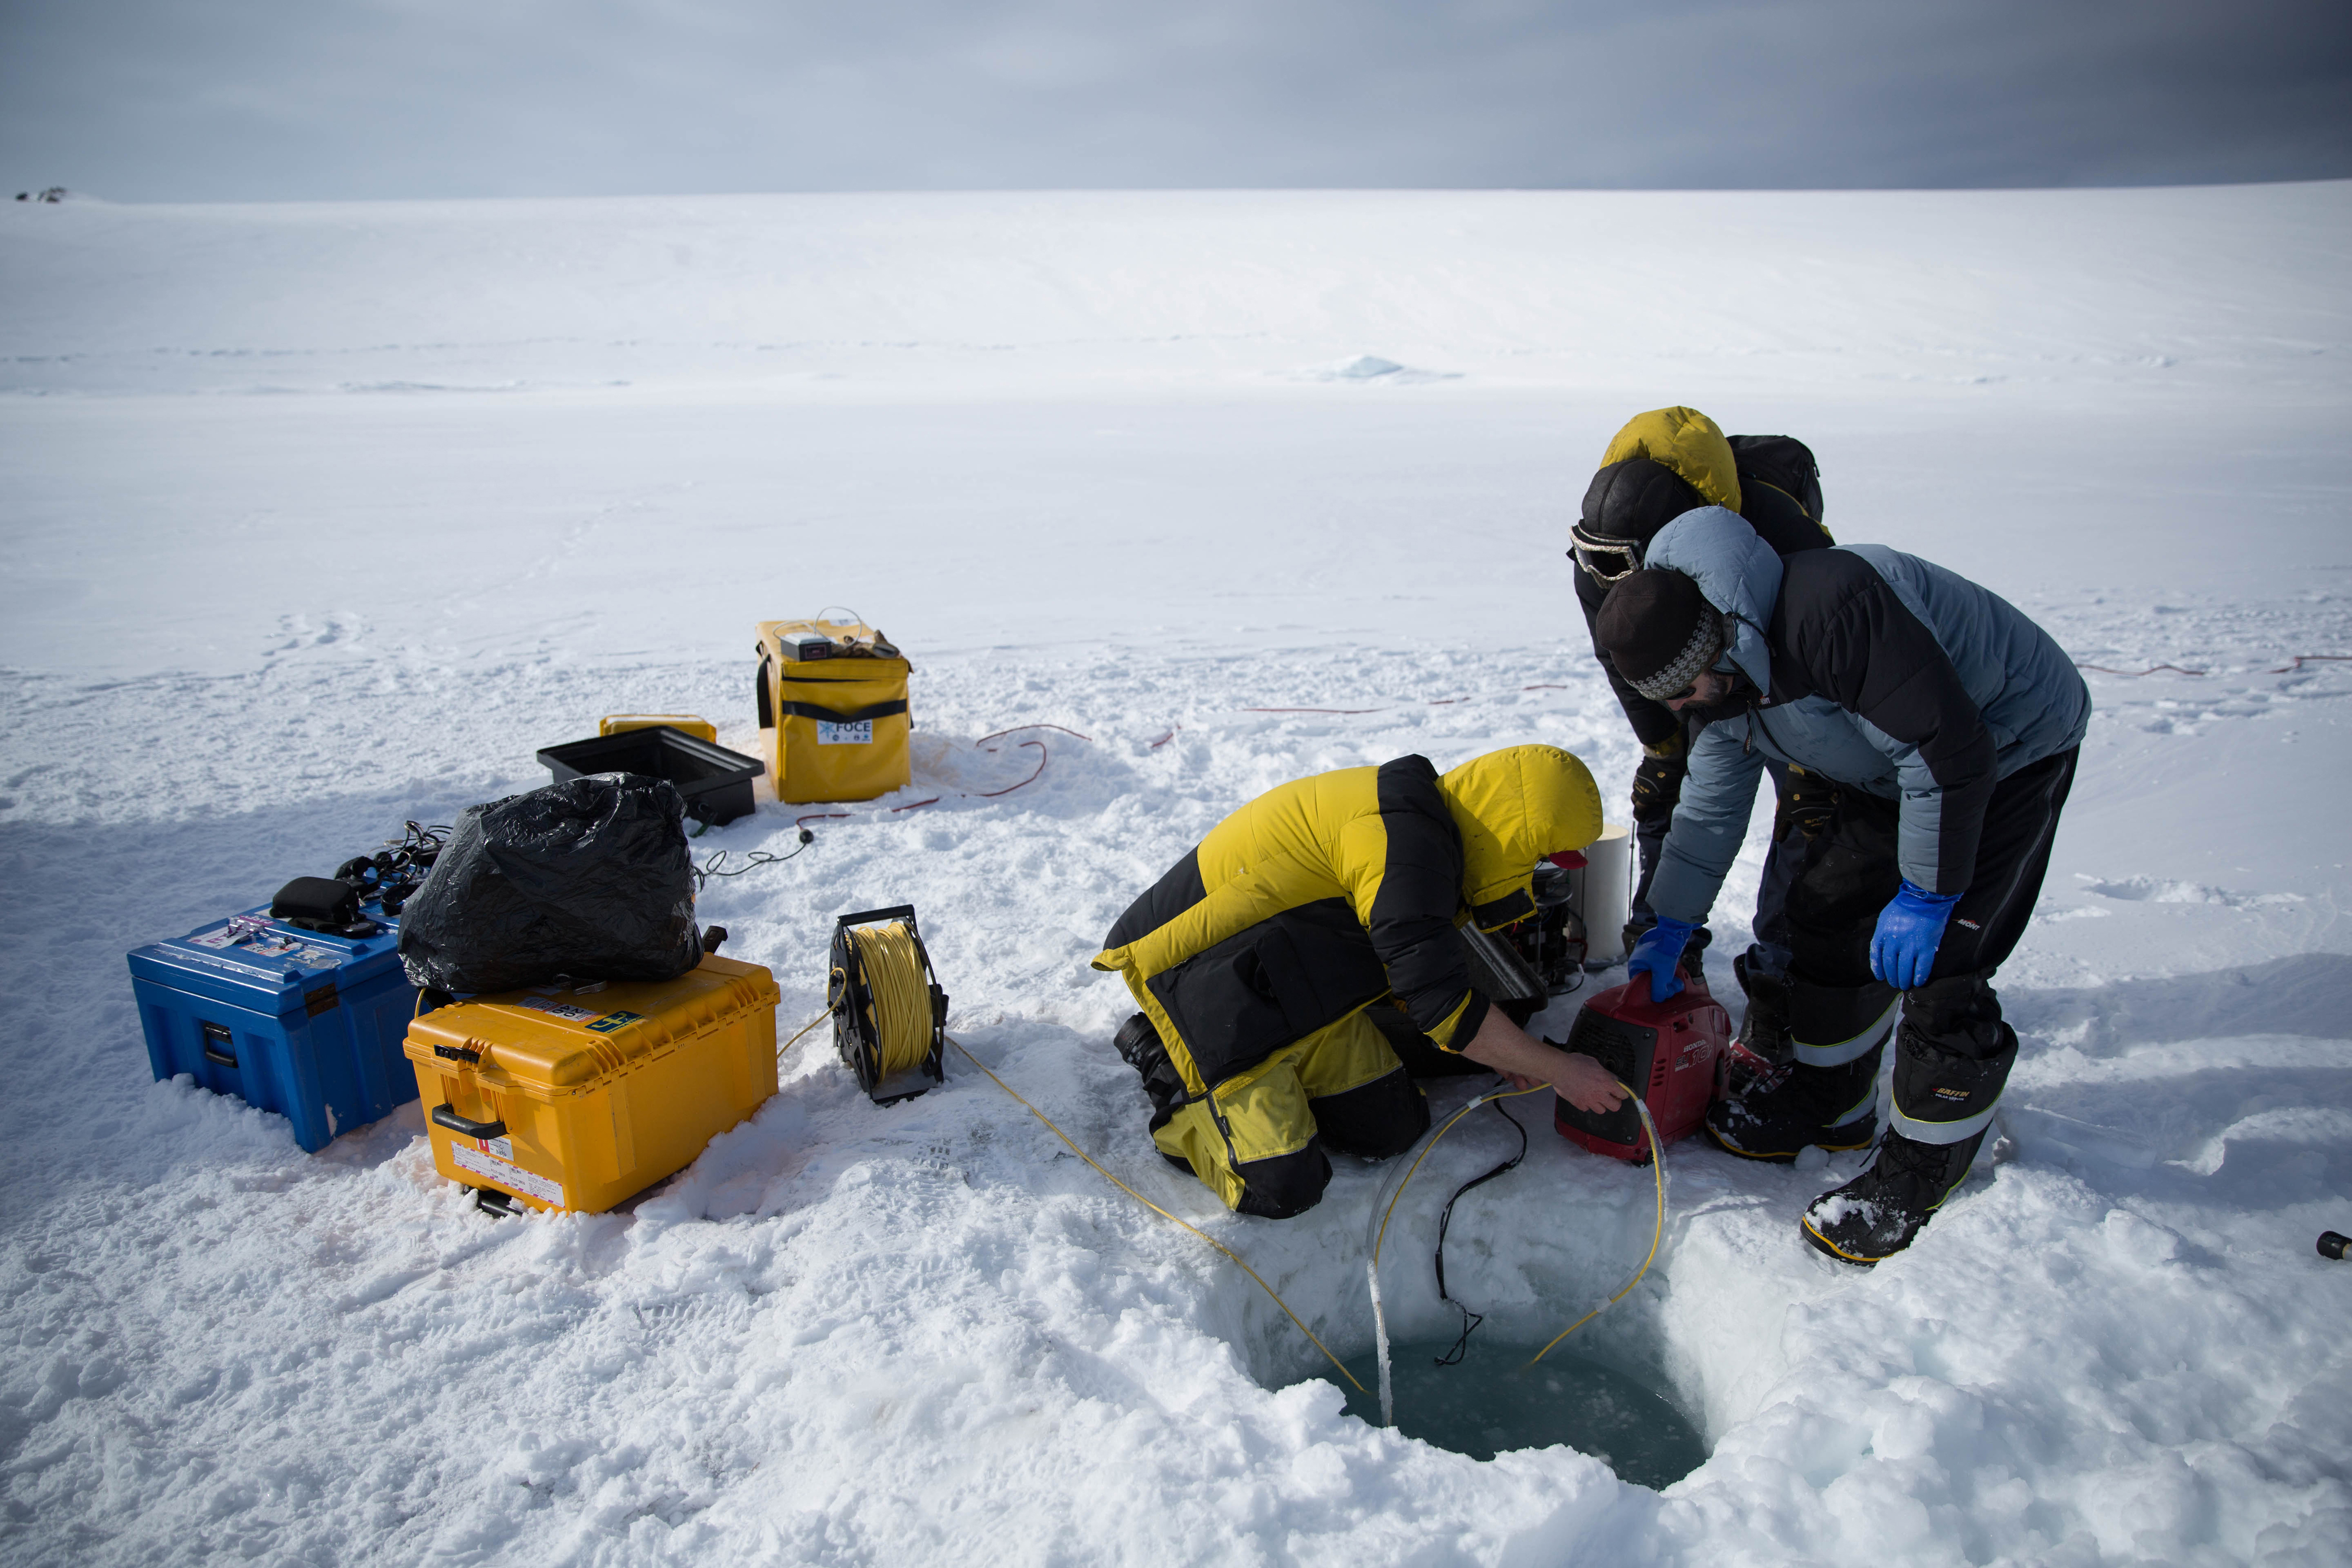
(1826, 1244)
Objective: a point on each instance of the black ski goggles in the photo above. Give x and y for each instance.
(1609, 560)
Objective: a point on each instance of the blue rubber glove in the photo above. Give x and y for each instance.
(1660, 948)
(1903, 948)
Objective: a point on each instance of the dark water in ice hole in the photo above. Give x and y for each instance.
(1493, 1401)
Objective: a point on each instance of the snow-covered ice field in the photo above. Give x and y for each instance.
(318, 518)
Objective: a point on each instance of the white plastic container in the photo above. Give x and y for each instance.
(1602, 894)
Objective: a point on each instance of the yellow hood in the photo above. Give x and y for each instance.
(1687, 441)
(1514, 806)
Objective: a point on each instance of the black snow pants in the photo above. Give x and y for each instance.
(1955, 1052)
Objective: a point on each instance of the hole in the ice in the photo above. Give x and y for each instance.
(1492, 1402)
(1532, 1251)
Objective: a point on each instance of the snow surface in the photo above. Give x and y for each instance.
(323, 517)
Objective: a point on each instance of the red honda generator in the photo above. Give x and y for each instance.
(1663, 1051)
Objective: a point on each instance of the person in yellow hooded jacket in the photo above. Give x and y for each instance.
(1255, 958)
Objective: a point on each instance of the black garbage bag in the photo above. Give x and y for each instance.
(590, 878)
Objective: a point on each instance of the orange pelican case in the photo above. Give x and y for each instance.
(578, 1098)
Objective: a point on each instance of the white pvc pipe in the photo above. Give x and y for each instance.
(1602, 894)
(1399, 1169)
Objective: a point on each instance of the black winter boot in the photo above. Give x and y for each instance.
(1763, 1047)
(1827, 1094)
(1952, 1059)
(1780, 1112)
(1138, 1045)
(1876, 1214)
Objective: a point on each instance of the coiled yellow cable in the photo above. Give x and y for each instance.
(901, 1012)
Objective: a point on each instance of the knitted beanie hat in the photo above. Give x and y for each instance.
(1660, 631)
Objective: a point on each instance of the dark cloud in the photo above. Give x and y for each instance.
(170, 100)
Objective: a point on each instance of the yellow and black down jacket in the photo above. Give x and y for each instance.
(1331, 892)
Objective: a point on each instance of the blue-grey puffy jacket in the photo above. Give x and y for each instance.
(1878, 670)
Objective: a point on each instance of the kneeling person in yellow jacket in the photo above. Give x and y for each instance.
(1255, 958)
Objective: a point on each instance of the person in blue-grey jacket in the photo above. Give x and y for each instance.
(1949, 724)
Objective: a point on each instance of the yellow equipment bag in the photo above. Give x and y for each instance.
(576, 1100)
(833, 710)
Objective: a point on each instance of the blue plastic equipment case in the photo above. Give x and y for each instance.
(294, 1021)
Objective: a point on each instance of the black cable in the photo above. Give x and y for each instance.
(717, 865)
(419, 845)
(1470, 1319)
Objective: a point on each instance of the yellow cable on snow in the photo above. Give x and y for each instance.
(803, 1029)
(1657, 1170)
(1163, 1214)
(1475, 1101)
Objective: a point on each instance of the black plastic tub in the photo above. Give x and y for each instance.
(716, 782)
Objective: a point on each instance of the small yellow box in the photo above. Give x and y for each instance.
(578, 1098)
(833, 710)
(693, 724)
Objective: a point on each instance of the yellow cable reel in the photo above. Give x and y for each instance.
(889, 1015)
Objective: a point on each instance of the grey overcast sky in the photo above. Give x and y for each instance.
(289, 100)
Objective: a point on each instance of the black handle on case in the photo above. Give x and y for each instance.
(868, 917)
(445, 1117)
(218, 1048)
